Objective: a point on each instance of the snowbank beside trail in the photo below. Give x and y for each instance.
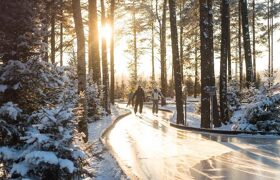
(102, 164)
(193, 118)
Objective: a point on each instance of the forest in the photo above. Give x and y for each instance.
(67, 63)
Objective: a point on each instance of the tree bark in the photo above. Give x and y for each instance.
(79, 29)
(207, 63)
(246, 40)
(163, 53)
(135, 45)
(176, 62)
(105, 63)
(93, 43)
(112, 53)
(240, 48)
(224, 57)
(153, 46)
(196, 67)
(61, 33)
(53, 33)
(254, 42)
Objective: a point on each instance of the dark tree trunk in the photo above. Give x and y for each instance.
(112, 53)
(163, 53)
(93, 43)
(240, 48)
(105, 63)
(246, 40)
(78, 21)
(229, 48)
(254, 43)
(196, 68)
(271, 33)
(153, 46)
(135, 45)
(176, 62)
(53, 33)
(207, 63)
(61, 33)
(224, 55)
(181, 39)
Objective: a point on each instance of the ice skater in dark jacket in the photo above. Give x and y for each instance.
(139, 96)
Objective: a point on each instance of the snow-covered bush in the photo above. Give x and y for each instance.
(260, 112)
(32, 85)
(46, 148)
(37, 125)
(233, 96)
(94, 107)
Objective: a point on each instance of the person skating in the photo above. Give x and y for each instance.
(130, 99)
(156, 94)
(139, 96)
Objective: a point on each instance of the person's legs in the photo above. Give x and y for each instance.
(141, 107)
(156, 106)
(136, 107)
(128, 103)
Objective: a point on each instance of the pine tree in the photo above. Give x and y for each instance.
(176, 63)
(225, 25)
(105, 74)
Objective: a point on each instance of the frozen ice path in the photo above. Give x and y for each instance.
(148, 148)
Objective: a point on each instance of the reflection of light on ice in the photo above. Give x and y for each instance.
(162, 152)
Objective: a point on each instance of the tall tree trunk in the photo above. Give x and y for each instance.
(53, 33)
(254, 42)
(176, 62)
(112, 53)
(153, 46)
(224, 55)
(61, 33)
(163, 53)
(104, 63)
(207, 63)
(78, 21)
(229, 47)
(246, 41)
(196, 67)
(93, 43)
(240, 48)
(271, 33)
(181, 39)
(135, 45)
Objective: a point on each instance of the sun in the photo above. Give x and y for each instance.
(106, 32)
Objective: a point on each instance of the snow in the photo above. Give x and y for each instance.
(8, 153)
(11, 110)
(103, 165)
(3, 88)
(37, 157)
(21, 168)
(65, 163)
(193, 117)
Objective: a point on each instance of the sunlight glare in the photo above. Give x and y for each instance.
(106, 32)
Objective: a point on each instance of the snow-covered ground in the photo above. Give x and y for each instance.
(193, 117)
(102, 164)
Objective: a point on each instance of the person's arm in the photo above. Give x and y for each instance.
(134, 94)
(144, 98)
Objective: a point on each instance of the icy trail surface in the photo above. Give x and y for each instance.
(146, 147)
